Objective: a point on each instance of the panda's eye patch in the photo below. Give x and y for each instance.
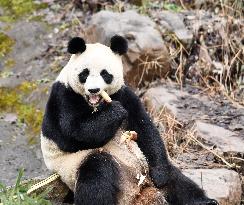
(107, 77)
(83, 75)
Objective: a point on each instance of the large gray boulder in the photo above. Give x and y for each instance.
(221, 184)
(225, 140)
(170, 21)
(147, 58)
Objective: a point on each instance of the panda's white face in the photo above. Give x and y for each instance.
(98, 68)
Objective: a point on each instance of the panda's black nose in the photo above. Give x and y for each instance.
(96, 90)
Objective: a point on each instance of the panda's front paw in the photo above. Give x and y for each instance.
(159, 176)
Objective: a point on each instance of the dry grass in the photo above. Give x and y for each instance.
(175, 142)
(151, 66)
(228, 79)
(182, 138)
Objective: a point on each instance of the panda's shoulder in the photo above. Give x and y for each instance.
(125, 95)
(60, 89)
(58, 86)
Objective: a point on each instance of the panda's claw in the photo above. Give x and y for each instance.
(212, 202)
(207, 202)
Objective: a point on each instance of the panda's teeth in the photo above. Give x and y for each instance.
(94, 99)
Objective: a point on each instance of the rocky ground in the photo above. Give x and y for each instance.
(200, 140)
(174, 63)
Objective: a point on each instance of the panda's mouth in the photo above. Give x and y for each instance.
(94, 100)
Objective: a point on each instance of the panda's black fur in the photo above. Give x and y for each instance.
(118, 45)
(103, 181)
(70, 115)
(69, 121)
(76, 45)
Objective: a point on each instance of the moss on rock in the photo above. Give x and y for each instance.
(9, 63)
(14, 9)
(11, 100)
(6, 44)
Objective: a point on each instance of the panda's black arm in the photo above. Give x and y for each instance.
(149, 139)
(180, 189)
(95, 130)
(69, 121)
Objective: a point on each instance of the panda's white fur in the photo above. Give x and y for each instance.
(128, 156)
(63, 163)
(96, 57)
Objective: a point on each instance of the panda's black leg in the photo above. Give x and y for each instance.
(69, 198)
(98, 181)
(183, 191)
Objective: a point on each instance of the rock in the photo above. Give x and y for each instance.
(213, 120)
(172, 21)
(147, 58)
(195, 19)
(15, 153)
(39, 97)
(225, 140)
(237, 127)
(189, 105)
(160, 97)
(28, 40)
(10, 117)
(10, 82)
(221, 184)
(30, 43)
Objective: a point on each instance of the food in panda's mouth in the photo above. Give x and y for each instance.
(94, 100)
(106, 97)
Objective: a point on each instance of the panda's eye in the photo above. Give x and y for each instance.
(108, 78)
(83, 75)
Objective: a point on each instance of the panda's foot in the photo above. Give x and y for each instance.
(206, 202)
(98, 181)
(183, 191)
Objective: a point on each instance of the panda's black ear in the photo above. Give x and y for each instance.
(118, 45)
(76, 45)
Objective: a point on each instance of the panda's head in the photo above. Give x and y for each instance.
(94, 67)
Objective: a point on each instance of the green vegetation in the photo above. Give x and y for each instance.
(12, 100)
(6, 74)
(172, 7)
(14, 9)
(6, 44)
(17, 195)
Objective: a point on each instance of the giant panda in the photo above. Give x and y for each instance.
(80, 137)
